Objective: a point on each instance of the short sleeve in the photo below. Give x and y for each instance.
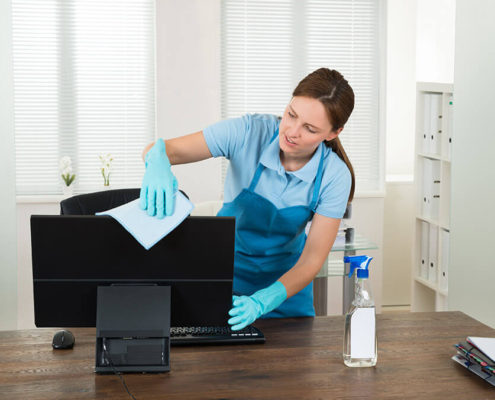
(226, 138)
(335, 195)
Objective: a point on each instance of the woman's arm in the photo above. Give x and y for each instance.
(185, 149)
(321, 237)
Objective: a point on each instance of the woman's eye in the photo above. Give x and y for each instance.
(290, 115)
(310, 130)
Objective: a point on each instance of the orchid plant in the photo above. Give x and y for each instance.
(66, 170)
(106, 167)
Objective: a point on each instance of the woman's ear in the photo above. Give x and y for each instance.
(333, 134)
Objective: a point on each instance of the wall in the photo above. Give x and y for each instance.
(401, 101)
(188, 84)
(401, 87)
(8, 261)
(398, 229)
(435, 40)
(473, 193)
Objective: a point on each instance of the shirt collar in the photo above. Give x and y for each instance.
(270, 158)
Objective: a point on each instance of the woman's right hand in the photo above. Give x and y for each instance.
(159, 184)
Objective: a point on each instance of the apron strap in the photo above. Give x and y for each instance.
(260, 168)
(318, 179)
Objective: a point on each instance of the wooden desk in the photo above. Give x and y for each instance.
(302, 359)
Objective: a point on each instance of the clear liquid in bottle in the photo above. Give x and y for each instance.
(366, 354)
(360, 328)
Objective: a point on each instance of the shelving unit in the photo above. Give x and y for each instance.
(434, 111)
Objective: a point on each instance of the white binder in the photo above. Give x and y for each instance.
(450, 124)
(444, 266)
(426, 123)
(433, 254)
(426, 188)
(423, 267)
(435, 123)
(435, 190)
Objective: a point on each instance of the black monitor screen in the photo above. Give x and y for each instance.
(74, 254)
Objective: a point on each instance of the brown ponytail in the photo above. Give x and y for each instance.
(334, 92)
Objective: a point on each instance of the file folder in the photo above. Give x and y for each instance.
(433, 254)
(450, 124)
(425, 233)
(426, 188)
(430, 207)
(434, 190)
(444, 266)
(435, 123)
(475, 368)
(426, 123)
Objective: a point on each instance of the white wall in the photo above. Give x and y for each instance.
(472, 234)
(401, 89)
(399, 153)
(435, 41)
(8, 261)
(398, 232)
(188, 83)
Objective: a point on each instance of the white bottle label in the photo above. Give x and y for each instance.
(363, 333)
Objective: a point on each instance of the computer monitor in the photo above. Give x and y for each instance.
(74, 254)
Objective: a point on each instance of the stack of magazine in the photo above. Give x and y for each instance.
(477, 354)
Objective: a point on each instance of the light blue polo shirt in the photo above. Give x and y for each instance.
(245, 141)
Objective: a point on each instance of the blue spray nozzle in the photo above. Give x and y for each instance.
(360, 263)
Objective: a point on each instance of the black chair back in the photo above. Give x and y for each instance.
(91, 203)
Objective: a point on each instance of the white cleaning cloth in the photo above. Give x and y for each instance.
(149, 230)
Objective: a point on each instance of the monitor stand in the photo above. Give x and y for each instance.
(133, 328)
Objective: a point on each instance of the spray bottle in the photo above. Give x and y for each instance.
(360, 326)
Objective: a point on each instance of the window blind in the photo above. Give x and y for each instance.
(83, 86)
(268, 46)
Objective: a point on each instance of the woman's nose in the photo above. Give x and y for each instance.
(294, 131)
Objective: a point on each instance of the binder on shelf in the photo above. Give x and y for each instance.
(425, 232)
(444, 266)
(450, 124)
(435, 190)
(430, 207)
(426, 123)
(433, 254)
(435, 123)
(426, 188)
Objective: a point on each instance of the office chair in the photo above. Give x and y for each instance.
(91, 203)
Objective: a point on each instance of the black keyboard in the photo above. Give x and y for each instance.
(214, 335)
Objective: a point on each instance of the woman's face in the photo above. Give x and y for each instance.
(303, 127)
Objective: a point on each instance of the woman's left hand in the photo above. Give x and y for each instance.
(248, 309)
(244, 312)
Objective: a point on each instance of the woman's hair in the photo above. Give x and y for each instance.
(334, 92)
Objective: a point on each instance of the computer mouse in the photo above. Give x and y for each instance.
(63, 340)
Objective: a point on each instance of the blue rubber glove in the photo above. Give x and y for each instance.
(248, 309)
(159, 184)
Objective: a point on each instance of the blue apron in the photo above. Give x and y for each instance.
(268, 243)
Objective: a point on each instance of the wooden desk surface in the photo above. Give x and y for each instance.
(302, 359)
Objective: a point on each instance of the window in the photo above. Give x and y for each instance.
(83, 85)
(269, 46)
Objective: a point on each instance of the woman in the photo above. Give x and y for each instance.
(282, 174)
